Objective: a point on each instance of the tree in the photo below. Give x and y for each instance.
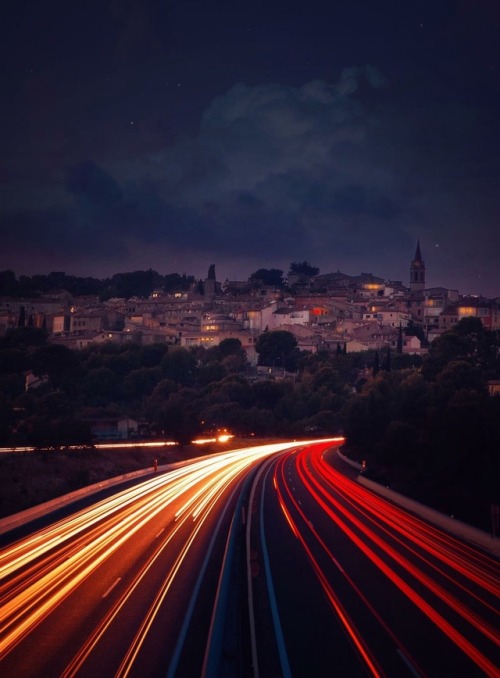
(271, 277)
(463, 429)
(173, 282)
(8, 283)
(152, 405)
(274, 348)
(53, 405)
(399, 446)
(327, 377)
(482, 344)
(234, 389)
(135, 284)
(123, 363)
(324, 422)
(151, 355)
(100, 385)
(60, 364)
(178, 417)
(415, 330)
(469, 340)
(460, 374)
(399, 348)
(267, 394)
(179, 365)
(6, 420)
(230, 346)
(21, 321)
(237, 419)
(235, 363)
(12, 360)
(141, 382)
(229, 357)
(366, 417)
(23, 338)
(58, 432)
(210, 372)
(387, 361)
(255, 421)
(303, 268)
(11, 385)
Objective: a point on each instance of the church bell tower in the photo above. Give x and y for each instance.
(417, 272)
(210, 285)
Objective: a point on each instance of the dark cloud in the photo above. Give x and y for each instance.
(351, 132)
(324, 171)
(93, 186)
(288, 165)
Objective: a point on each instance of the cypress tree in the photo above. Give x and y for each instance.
(21, 322)
(387, 362)
(400, 340)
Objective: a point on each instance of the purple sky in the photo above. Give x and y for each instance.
(171, 135)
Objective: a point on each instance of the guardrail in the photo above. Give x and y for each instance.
(223, 640)
(15, 520)
(468, 533)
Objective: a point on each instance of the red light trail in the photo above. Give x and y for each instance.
(411, 554)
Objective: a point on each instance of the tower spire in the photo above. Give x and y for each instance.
(417, 272)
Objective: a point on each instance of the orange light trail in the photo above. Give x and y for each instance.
(40, 571)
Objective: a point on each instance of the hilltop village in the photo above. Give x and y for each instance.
(323, 312)
(408, 374)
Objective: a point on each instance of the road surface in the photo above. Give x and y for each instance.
(260, 562)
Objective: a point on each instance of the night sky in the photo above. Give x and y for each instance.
(175, 134)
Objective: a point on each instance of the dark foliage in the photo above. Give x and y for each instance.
(272, 277)
(427, 427)
(303, 268)
(133, 284)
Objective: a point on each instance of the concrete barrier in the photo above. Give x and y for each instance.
(11, 522)
(470, 534)
(22, 517)
(466, 532)
(354, 464)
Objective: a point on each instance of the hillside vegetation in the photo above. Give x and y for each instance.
(428, 428)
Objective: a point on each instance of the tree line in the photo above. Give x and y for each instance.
(121, 285)
(131, 284)
(427, 427)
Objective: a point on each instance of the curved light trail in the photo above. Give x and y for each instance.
(454, 586)
(130, 586)
(38, 573)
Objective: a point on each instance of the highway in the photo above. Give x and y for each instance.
(265, 561)
(362, 587)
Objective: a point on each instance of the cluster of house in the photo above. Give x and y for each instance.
(323, 312)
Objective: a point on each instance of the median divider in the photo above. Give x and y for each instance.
(222, 652)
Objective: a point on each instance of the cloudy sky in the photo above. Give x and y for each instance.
(173, 134)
